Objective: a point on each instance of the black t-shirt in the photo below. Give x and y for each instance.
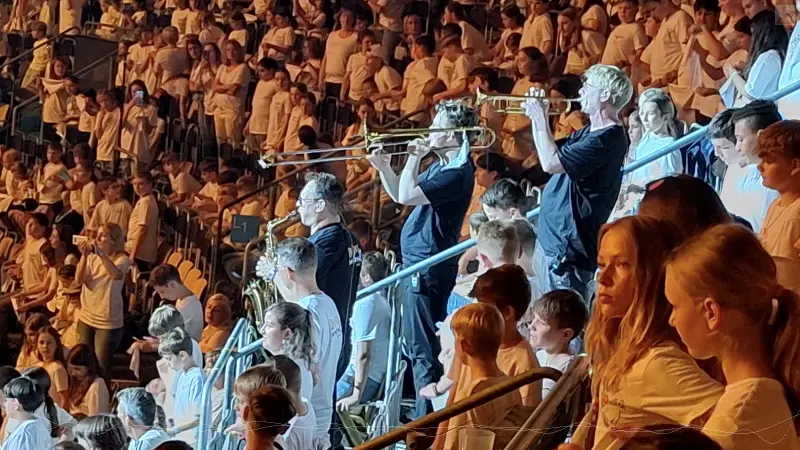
(575, 204)
(338, 265)
(436, 226)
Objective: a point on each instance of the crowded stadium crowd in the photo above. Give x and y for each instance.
(678, 279)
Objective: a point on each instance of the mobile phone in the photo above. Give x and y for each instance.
(139, 96)
(64, 175)
(78, 239)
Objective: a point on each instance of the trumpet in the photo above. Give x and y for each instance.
(486, 137)
(513, 104)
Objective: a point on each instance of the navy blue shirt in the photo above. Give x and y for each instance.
(575, 204)
(338, 265)
(436, 226)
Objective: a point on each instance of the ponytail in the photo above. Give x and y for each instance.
(42, 380)
(785, 324)
(52, 415)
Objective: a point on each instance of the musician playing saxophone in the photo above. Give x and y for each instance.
(319, 206)
(440, 196)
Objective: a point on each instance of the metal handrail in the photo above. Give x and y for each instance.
(35, 47)
(224, 359)
(466, 245)
(35, 98)
(232, 362)
(537, 423)
(432, 420)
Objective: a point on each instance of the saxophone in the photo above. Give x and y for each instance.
(262, 290)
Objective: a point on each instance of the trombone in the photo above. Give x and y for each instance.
(384, 139)
(514, 104)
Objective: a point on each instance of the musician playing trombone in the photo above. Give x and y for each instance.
(440, 196)
(586, 168)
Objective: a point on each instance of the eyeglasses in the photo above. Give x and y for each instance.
(304, 201)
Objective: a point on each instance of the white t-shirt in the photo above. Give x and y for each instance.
(623, 43)
(485, 415)
(667, 47)
(96, 401)
(667, 165)
(145, 213)
(744, 194)
(151, 439)
(664, 386)
(101, 296)
(30, 435)
(63, 418)
(558, 361)
(192, 312)
(187, 390)
(753, 414)
(302, 429)
(781, 230)
(789, 106)
(763, 77)
(536, 31)
(50, 191)
(337, 51)
(371, 322)
(328, 328)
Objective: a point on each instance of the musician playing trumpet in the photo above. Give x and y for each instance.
(440, 196)
(586, 168)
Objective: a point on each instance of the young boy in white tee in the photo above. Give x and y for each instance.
(184, 185)
(538, 28)
(779, 152)
(176, 348)
(52, 179)
(371, 323)
(167, 282)
(627, 40)
(743, 192)
(111, 209)
(558, 318)
(478, 330)
(667, 48)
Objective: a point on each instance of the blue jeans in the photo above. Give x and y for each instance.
(344, 387)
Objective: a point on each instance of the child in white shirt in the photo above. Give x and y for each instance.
(727, 304)
(184, 186)
(167, 282)
(22, 398)
(478, 330)
(68, 302)
(176, 348)
(300, 435)
(52, 179)
(538, 30)
(779, 154)
(558, 318)
(627, 40)
(743, 192)
(371, 324)
(111, 209)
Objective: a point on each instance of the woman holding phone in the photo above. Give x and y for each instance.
(101, 274)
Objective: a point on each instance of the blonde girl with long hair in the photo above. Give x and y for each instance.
(728, 304)
(641, 375)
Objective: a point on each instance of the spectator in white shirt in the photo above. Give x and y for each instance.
(136, 409)
(22, 398)
(472, 40)
(743, 192)
(296, 281)
(627, 40)
(300, 435)
(371, 323)
(167, 282)
(101, 432)
(727, 305)
(759, 77)
(101, 271)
